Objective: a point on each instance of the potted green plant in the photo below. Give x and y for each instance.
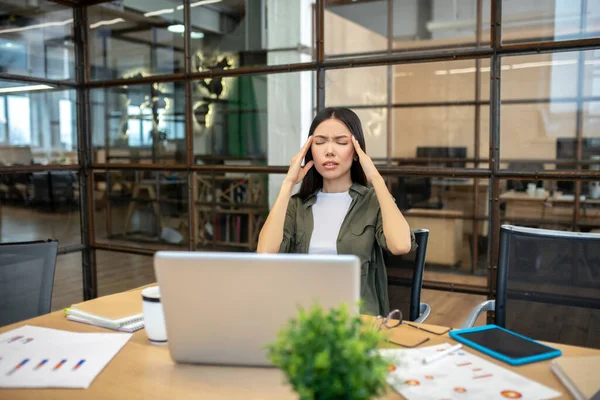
(330, 355)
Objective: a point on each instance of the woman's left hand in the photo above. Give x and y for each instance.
(366, 163)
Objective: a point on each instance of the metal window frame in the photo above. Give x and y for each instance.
(494, 50)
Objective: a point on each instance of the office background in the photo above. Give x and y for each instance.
(130, 126)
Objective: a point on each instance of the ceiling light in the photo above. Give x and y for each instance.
(197, 35)
(204, 2)
(44, 25)
(106, 22)
(178, 28)
(159, 12)
(24, 88)
(200, 3)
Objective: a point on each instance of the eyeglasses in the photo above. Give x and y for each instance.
(394, 320)
(388, 322)
(438, 332)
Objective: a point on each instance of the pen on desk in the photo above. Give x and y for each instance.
(442, 354)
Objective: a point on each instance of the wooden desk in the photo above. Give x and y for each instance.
(459, 196)
(145, 371)
(519, 205)
(445, 230)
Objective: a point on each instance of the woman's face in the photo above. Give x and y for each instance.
(332, 149)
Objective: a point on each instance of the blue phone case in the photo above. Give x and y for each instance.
(457, 335)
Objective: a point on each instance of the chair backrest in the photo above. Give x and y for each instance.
(407, 273)
(26, 279)
(411, 192)
(549, 284)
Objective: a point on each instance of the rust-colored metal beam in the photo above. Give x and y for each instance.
(16, 169)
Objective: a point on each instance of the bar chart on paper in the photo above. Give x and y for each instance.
(459, 373)
(33, 357)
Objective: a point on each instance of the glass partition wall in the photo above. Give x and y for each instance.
(131, 126)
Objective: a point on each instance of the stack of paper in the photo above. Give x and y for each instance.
(34, 357)
(459, 374)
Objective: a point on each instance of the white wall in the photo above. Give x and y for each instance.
(373, 16)
(290, 95)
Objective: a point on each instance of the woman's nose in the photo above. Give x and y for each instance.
(329, 149)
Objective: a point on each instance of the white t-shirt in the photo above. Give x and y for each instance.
(328, 212)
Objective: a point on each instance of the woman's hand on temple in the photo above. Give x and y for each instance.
(297, 172)
(366, 163)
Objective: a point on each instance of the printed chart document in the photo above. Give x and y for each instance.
(35, 357)
(457, 375)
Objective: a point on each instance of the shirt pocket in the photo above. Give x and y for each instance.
(363, 240)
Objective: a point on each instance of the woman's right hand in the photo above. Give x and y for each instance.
(297, 172)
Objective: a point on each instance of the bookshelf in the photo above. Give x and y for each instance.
(230, 210)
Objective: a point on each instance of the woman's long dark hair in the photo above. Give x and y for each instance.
(313, 180)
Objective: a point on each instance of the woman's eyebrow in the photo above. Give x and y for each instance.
(335, 137)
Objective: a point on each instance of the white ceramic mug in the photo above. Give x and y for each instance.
(154, 318)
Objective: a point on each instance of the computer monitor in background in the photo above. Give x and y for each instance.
(566, 148)
(412, 192)
(443, 152)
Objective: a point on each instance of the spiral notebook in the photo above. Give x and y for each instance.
(121, 313)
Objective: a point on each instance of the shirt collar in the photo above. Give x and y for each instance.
(355, 190)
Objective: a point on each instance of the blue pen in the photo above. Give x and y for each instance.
(16, 368)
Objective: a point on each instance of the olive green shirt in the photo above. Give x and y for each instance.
(361, 234)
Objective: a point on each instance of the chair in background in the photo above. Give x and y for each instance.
(399, 298)
(548, 286)
(413, 192)
(26, 279)
(53, 188)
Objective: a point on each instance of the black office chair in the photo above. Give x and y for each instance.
(398, 296)
(53, 188)
(548, 285)
(26, 279)
(413, 192)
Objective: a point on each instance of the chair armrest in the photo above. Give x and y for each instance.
(424, 311)
(488, 305)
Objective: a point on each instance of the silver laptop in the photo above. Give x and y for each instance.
(223, 308)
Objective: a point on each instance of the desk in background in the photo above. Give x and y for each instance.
(547, 208)
(145, 371)
(445, 234)
(458, 195)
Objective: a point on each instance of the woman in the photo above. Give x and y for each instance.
(335, 211)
